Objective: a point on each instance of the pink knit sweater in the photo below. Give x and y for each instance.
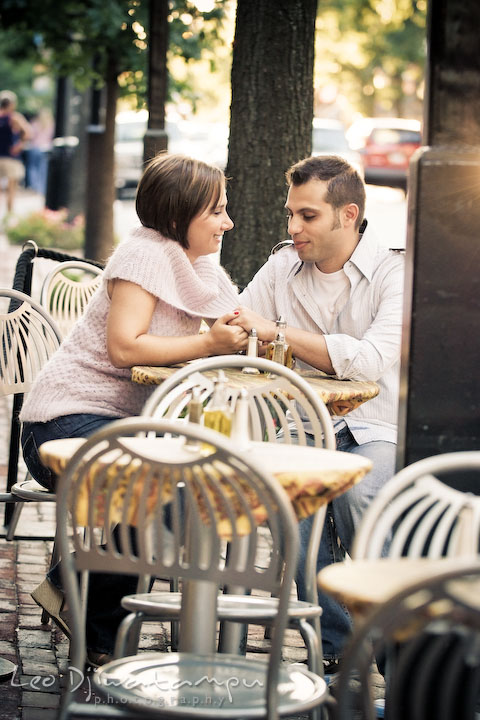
(79, 378)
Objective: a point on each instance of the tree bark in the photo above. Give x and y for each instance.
(156, 137)
(270, 123)
(99, 236)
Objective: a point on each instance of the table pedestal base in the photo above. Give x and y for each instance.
(7, 669)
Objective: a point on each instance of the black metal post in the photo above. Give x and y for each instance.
(440, 385)
(14, 449)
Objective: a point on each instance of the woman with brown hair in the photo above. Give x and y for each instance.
(157, 287)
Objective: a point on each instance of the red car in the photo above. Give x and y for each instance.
(388, 145)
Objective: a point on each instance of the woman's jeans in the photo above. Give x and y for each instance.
(104, 611)
(67, 426)
(343, 517)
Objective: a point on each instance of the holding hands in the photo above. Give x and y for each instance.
(248, 319)
(226, 338)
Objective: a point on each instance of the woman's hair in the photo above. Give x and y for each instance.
(173, 190)
(344, 184)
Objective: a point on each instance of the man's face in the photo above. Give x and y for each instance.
(316, 228)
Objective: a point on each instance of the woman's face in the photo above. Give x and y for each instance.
(205, 232)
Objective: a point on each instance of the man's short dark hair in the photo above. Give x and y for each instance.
(344, 184)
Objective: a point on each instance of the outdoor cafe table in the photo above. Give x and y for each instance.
(340, 396)
(310, 476)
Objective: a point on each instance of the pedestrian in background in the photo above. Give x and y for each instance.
(35, 154)
(14, 131)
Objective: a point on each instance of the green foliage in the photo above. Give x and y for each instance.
(374, 49)
(20, 73)
(89, 39)
(48, 228)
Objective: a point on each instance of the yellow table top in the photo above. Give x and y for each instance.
(311, 476)
(364, 584)
(340, 396)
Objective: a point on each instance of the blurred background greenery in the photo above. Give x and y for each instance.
(369, 56)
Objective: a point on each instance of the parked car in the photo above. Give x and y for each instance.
(386, 146)
(203, 140)
(329, 138)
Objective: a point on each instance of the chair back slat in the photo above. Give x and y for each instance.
(416, 514)
(28, 337)
(281, 400)
(113, 484)
(67, 290)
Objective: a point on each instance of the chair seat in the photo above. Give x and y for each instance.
(208, 686)
(32, 490)
(240, 608)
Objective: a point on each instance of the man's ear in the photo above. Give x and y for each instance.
(350, 214)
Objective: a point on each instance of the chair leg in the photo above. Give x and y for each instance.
(312, 641)
(12, 525)
(54, 558)
(174, 626)
(126, 641)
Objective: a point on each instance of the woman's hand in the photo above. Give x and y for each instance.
(248, 319)
(224, 338)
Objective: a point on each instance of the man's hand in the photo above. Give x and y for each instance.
(307, 346)
(249, 319)
(225, 338)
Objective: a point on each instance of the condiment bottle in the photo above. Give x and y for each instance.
(217, 415)
(279, 349)
(195, 413)
(274, 351)
(252, 351)
(240, 434)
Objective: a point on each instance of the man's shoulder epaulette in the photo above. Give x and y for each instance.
(280, 246)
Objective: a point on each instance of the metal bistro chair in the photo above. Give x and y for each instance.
(430, 632)
(67, 290)
(288, 399)
(119, 479)
(29, 337)
(29, 490)
(416, 514)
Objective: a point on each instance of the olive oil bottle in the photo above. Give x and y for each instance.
(278, 350)
(217, 415)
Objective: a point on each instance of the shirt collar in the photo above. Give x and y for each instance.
(364, 257)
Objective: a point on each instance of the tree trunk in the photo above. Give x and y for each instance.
(99, 237)
(270, 123)
(156, 137)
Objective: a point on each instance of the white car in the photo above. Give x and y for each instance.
(329, 138)
(203, 140)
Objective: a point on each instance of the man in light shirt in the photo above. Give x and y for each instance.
(342, 296)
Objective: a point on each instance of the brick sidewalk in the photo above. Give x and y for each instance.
(41, 651)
